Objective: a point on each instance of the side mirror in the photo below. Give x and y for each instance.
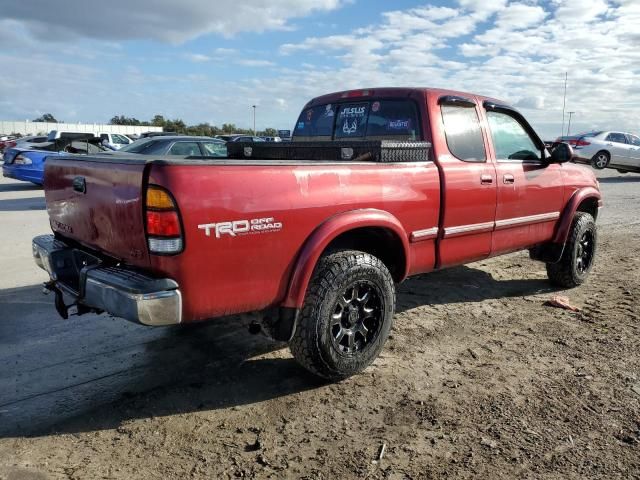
(561, 153)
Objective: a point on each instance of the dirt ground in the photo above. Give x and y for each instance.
(480, 379)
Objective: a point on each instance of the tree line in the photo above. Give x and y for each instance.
(176, 125)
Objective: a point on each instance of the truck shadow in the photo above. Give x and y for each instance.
(628, 178)
(22, 204)
(94, 372)
(464, 284)
(19, 187)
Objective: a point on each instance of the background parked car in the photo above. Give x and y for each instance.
(240, 137)
(178, 145)
(27, 164)
(32, 141)
(115, 140)
(7, 141)
(157, 134)
(609, 149)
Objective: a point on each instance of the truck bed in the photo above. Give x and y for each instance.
(246, 271)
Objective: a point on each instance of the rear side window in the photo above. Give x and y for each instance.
(463, 133)
(316, 122)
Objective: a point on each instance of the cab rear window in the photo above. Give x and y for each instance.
(316, 122)
(375, 119)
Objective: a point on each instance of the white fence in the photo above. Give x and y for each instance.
(36, 128)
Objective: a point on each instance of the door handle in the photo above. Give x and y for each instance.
(508, 179)
(486, 179)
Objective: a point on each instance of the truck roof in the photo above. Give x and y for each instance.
(392, 92)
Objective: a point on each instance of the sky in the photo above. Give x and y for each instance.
(204, 61)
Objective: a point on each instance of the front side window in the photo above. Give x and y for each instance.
(633, 140)
(463, 133)
(510, 140)
(616, 137)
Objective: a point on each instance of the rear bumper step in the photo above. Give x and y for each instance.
(119, 291)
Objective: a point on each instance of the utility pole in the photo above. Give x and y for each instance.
(569, 127)
(564, 101)
(254, 120)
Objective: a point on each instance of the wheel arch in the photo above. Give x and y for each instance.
(587, 200)
(370, 230)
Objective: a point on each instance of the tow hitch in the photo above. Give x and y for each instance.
(62, 308)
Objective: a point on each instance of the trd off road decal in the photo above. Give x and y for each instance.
(241, 227)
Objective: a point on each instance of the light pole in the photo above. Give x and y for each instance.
(564, 101)
(254, 120)
(569, 126)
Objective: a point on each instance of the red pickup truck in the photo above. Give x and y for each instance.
(319, 243)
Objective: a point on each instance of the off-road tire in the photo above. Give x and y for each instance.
(568, 272)
(600, 160)
(314, 344)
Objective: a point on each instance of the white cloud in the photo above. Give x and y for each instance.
(197, 57)
(519, 16)
(162, 20)
(254, 63)
(534, 103)
(578, 11)
(521, 57)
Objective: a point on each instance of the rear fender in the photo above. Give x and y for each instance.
(316, 244)
(577, 199)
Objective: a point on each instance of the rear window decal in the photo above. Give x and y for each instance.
(400, 124)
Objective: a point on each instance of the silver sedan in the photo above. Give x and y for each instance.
(608, 149)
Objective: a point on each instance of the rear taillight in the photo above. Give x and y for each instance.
(21, 160)
(582, 143)
(164, 230)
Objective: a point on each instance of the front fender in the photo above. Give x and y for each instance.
(322, 236)
(564, 224)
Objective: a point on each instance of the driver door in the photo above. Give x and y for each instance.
(530, 191)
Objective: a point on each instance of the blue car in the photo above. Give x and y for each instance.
(27, 164)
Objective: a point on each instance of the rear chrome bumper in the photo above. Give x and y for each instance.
(120, 291)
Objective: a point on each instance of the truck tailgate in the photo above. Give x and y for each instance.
(99, 204)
